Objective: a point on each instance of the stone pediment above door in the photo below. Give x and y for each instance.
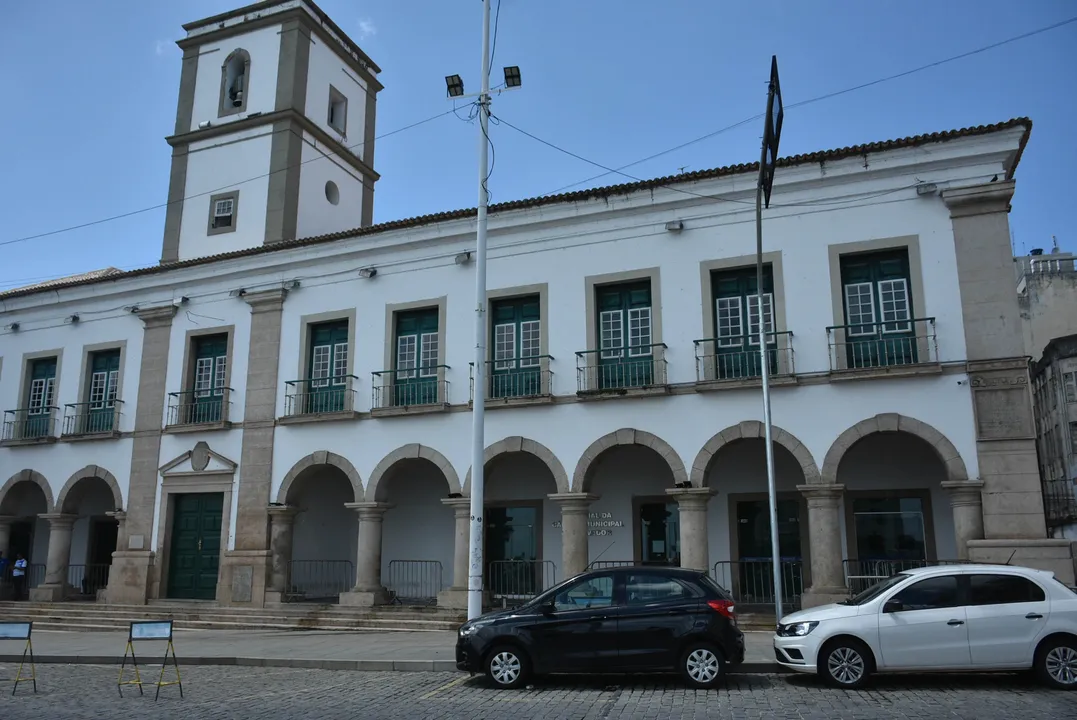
(199, 460)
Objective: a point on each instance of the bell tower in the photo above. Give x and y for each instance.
(274, 135)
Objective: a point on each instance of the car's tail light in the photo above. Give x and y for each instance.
(724, 607)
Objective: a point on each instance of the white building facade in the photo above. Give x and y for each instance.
(273, 414)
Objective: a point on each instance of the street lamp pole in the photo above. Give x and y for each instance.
(478, 405)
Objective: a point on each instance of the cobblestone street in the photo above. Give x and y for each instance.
(85, 691)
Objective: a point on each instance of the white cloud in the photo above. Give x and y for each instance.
(367, 28)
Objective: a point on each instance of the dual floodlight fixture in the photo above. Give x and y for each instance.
(455, 85)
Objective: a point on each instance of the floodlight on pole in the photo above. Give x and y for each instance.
(512, 77)
(454, 85)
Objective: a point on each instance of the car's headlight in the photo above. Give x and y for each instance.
(796, 629)
(471, 628)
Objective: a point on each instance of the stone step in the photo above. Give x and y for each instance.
(266, 614)
(285, 611)
(60, 622)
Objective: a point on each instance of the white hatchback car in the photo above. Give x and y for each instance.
(956, 618)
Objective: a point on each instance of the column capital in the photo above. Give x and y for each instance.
(118, 515)
(281, 512)
(573, 500)
(979, 199)
(59, 520)
(157, 316)
(7, 519)
(964, 492)
(369, 510)
(822, 494)
(692, 498)
(265, 300)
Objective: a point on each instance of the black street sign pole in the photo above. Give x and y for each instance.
(769, 154)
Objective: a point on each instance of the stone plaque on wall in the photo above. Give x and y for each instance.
(242, 579)
(1002, 413)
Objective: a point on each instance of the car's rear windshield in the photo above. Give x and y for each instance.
(714, 587)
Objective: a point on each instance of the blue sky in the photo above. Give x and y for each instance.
(612, 80)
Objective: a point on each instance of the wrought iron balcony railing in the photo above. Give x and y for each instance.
(528, 377)
(30, 423)
(319, 396)
(424, 385)
(632, 367)
(737, 357)
(199, 407)
(883, 344)
(92, 418)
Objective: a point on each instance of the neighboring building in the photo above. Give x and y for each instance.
(1054, 386)
(281, 407)
(1047, 294)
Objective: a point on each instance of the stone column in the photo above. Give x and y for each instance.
(967, 505)
(456, 596)
(55, 585)
(247, 568)
(121, 527)
(824, 534)
(132, 563)
(692, 508)
(368, 589)
(5, 535)
(281, 525)
(575, 549)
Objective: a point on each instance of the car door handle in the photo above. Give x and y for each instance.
(1033, 616)
(956, 622)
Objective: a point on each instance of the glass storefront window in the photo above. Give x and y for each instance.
(660, 537)
(890, 528)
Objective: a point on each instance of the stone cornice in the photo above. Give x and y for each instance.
(266, 300)
(979, 199)
(158, 316)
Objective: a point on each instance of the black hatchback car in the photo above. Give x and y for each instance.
(624, 620)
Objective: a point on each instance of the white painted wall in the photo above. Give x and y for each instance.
(239, 161)
(263, 45)
(317, 216)
(418, 527)
(326, 69)
(324, 529)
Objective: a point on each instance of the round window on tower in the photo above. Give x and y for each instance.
(332, 193)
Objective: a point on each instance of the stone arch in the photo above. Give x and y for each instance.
(412, 450)
(322, 457)
(627, 436)
(522, 444)
(753, 429)
(893, 422)
(91, 471)
(33, 476)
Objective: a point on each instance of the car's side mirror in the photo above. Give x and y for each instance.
(893, 606)
(546, 608)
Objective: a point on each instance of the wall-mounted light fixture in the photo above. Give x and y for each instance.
(368, 273)
(131, 309)
(675, 225)
(927, 189)
(13, 327)
(463, 258)
(292, 284)
(237, 293)
(72, 318)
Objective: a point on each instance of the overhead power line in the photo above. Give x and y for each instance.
(820, 98)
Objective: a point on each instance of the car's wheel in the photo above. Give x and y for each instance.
(702, 665)
(845, 663)
(1056, 663)
(507, 667)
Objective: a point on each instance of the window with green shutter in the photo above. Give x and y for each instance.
(101, 389)
(625, 350)
(736, 322)
(327, 367)
(41, 395)
(516, 341)
(210, 368)
(877, 297)
(416, 358)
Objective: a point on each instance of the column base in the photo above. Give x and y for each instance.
(129, 578)
(1055, 555)
(364, 598)
(456, 598)
(47, 593)
(243, 576)
(814, 597)
(274, 597)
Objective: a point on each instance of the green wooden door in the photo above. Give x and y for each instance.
(210, 370)
(625, 357)
(415, 381)
(515, 370)
(195, 546)
(328, 366)
(40, 398)
(736, 323)
(104, 376)
(878, 310)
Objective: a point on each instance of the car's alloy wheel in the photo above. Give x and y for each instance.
(506, 667)
(1058, 665)
(846, 666)
(703, 666)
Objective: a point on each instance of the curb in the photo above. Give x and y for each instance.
(352, 665)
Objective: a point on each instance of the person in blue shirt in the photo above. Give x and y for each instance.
(18, 576)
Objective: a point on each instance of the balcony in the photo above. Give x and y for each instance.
(615, 372)
(907, 347)
(29, 426)
(194, 411)
(516, 381)
(92, 420)
(314, 400)
(734, 361)
(411, 391)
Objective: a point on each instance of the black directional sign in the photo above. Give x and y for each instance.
(773, 131)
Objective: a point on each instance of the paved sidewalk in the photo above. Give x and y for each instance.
(318, 649)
